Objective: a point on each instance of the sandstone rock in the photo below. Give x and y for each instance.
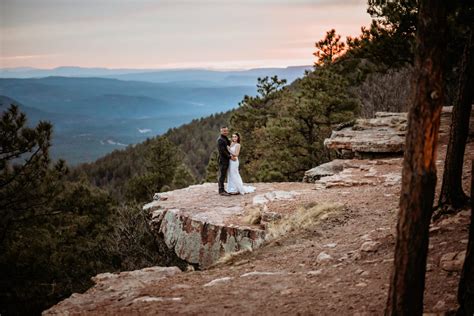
(219, 281)
(200, 227)
(323, 257)
(370, 246)
(392, 179)
(327, 169)
(383, 134)
(260, 273)
(202, 242)
(199, 232)
(259, 199)
(119, 289)
(439, 306)
(360, 172)
(281, 195)
(315, 272)
(452, 261)
(156, 299)
(159, 196)
(366, 237)
(274, 196)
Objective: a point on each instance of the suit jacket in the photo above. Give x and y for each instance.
(224, 155)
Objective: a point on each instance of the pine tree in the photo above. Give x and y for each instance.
(27, 181)
(329, 48)
(212, 167)
(182, 178)
(419, 163)
(161, 161)
(292, 141)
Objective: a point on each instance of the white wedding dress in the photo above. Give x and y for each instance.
(234, 180)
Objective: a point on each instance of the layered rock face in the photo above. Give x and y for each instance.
(200, 226)
(355, 172)
(384, 134)
(381, 136)
(380, 139)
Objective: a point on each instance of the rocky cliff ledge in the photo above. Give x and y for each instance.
(200, 226)
(381, 136)
(344, 258)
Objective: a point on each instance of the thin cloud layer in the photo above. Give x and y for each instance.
(157, 34)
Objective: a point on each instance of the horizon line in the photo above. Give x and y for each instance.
(212, 68)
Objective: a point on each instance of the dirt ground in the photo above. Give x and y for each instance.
(287, 276)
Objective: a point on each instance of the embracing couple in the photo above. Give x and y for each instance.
(229, 165)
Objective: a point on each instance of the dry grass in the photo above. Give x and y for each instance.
(230, 257)
(254, 216)
(303, 218)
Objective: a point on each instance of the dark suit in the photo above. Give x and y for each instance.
(224, 158)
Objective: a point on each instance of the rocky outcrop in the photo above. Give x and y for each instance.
(200, 226)
(379, 139)
(384, 134)
(354, 172)
(115, 289)
(327, 169)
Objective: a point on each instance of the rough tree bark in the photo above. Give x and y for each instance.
(452, 193)
(466, 283)
(419, 165)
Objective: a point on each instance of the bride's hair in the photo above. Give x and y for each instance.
(238, 137)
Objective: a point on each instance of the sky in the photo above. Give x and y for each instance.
(220, 34)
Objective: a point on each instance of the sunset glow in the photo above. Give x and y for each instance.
(170, 34)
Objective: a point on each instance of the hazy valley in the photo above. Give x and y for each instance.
(93, 116)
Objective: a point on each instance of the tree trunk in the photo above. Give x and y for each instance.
(466, 283)
(419, 165)
(451, 190)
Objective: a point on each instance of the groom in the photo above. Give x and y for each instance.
(224, 158)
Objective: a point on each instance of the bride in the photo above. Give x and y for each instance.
(234, 181)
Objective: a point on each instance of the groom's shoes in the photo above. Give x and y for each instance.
(224, 193)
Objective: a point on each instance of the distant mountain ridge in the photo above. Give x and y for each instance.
(97, 110)
(222, 77)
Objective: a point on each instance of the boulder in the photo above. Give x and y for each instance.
(356, 172)
(452, 261)
(370, 246)
(384, 134)
(323, 258)
(327, 169)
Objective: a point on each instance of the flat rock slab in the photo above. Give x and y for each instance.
(115, 289)
(201, 226)
(383, 135)
(354, 172)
